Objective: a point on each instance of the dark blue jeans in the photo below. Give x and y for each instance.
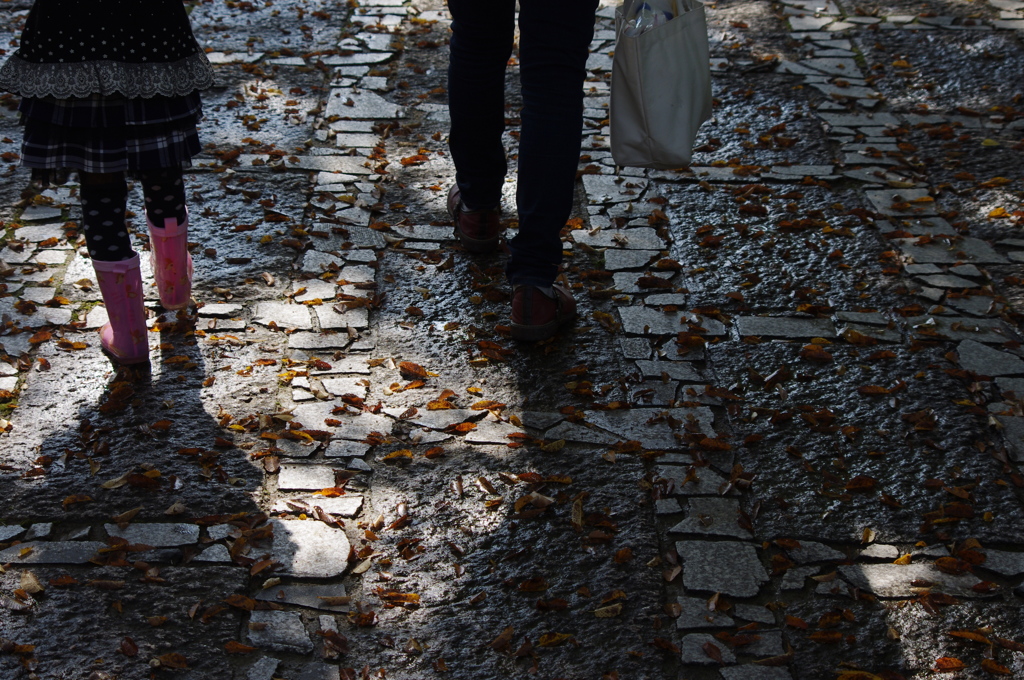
(553, 47)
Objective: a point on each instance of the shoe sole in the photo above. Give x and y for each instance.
(174, 308)
(528, 333)
(478, 246)
(470, 244)
(119, 360)
(125, 362)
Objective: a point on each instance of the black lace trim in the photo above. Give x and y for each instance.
(81, 79)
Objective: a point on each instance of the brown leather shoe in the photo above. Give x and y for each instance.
(535, 316)
(478, 230)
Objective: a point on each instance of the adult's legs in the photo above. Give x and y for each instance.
(481, 43)
(554, 44)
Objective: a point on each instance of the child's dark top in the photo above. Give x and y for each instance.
(132, 48)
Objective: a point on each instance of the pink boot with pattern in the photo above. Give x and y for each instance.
(172, 263)
(125, 337)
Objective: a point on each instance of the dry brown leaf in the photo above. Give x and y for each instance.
(948, 664)
(553, 639)
(608, 612)
(991, 666)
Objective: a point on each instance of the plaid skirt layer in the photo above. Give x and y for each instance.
(109, 133)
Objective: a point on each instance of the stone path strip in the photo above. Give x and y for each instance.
(945, 310)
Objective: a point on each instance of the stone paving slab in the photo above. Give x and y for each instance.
(656, 393)
(57, 552)
(8, 533)
(39, 530)
(967, 249)
(356, 140)
(989, 331)
(796, 578)
(644, 321)
(319, 341)
(894, 335)
(1004, 562)
(636, 238)
(278, 631)
(834, 66)
(38, 213)
(702, 482)
(316, 263)
(348, 165)
(608, 189)
(345, 506)
(881, 552)
(283, 315)
(318, 671)
(322, 597)
(802, 171)
(812, 552)
(897, 581)
(156, 535)
(39, 232)
(309, 549)
(695, 614)
(421, 232)
(440, 419)
(784, 327)
(726, 567)
(1013, 435)
(215, 554)
(693, 650)
(579, 433)
(221, 310)
(753, 612)
(346, 449)
(492, 432)
(306, 476)
(648, 425)
(615, 260)
(946, 281)
(343, 386)
(712, 517)
(295, 449)
(351, 427)
(675, 370)
(664, 299)
(263, 669)
(808, 23)
(985, 360)
(770, 644)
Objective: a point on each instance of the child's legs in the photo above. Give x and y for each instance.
(168, 235)
(103, 203)
(164, 191)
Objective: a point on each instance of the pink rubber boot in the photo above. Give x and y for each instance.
(172, 263)
(125, 338)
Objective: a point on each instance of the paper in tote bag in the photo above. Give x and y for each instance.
(661, 85)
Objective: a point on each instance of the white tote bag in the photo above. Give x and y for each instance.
(661, 89)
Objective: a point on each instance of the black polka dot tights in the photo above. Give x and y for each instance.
(165, 196)
(103, 205)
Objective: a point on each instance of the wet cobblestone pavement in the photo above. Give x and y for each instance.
(782, 442)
